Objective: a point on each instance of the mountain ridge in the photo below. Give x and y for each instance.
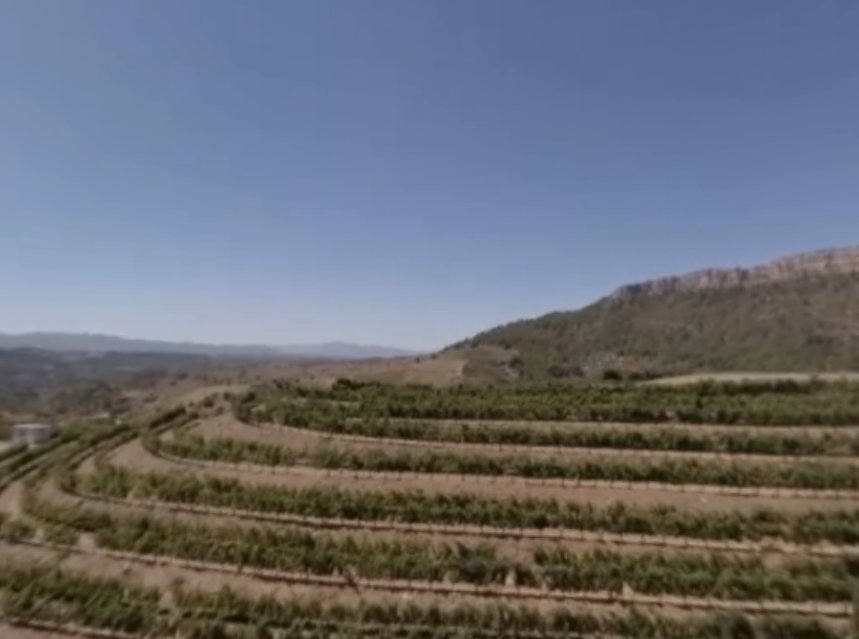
(99, 342)
(823, 262)
(798, 313)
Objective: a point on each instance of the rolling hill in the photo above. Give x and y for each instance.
(798, 313)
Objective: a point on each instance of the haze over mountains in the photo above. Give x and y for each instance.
(98, 343)
(798, 313)
(346, 350)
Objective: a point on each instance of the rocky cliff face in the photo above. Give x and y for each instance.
(813, 263)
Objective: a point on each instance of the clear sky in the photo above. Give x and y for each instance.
(406, 172)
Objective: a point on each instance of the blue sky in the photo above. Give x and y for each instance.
(406, 172)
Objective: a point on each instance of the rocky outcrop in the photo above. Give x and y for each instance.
(813, 263)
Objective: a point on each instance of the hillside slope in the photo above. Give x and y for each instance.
(799, 313)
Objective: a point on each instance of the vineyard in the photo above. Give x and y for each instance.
(714, 510)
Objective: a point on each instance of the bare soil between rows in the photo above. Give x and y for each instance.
(515, 548)
(134, 455)
(166, 576)
(166, 573)
(706, 429)
(294, 436)
(515, 543)
(839, 610)
(689, 496)
(228, 427)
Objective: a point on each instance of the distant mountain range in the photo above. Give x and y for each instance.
(345, 350)
(97, 343)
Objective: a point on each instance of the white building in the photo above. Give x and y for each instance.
(31, 434)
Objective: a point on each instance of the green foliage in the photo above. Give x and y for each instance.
(795, 325)
(44, 593)
(784, 403)
(464, 620)
(417, 507)
(328, 420)
(700, 574)
(678, 471)
(50, 594)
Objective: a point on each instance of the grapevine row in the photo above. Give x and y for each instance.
(704, 575)
(116, 606)
(512, 513)
(763, 404)
(802, 475)
(329, 420)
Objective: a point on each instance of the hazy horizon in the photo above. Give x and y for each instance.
(139, 338)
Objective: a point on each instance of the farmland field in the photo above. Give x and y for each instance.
(706, 510)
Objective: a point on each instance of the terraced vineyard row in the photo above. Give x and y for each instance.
(801, 475)
(334, 419)
(594, 440)
(790, 403)
(700, 575)
(172, 538)
(137, 611)
(464, 509)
